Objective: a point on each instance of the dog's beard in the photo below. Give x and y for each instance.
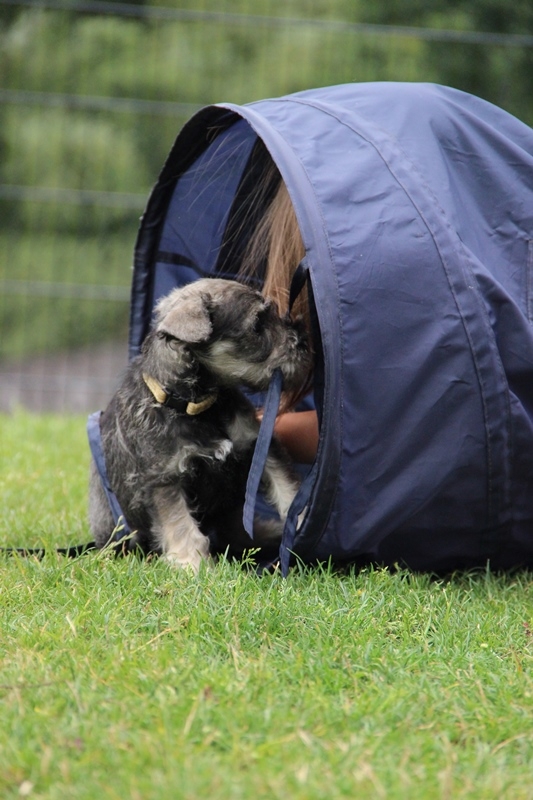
(231, 366)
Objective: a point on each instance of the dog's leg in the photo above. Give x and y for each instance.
(178, 534)
(279, 484)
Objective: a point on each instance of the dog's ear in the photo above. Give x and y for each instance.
(188, 321)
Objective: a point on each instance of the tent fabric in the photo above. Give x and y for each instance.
(415, 204)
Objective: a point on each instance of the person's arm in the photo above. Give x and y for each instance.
(298, 432)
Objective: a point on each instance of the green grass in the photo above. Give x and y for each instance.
(126, 679)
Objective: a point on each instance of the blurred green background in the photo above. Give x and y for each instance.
(92, 95)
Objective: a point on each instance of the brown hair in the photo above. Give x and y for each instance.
(276, 244)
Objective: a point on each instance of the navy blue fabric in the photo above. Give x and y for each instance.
(198, 211)
(122, 528)
(415, 203)
(262, 445)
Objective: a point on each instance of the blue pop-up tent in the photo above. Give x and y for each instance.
(415, 204)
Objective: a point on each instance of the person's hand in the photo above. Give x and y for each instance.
(298, 433)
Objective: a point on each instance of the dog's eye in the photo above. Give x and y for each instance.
(170, 340)
(264, 317)
(260, 322)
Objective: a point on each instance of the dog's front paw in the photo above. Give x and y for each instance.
(188, 552)
(182, 542)
(191, 562)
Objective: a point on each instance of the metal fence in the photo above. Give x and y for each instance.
(92, 96)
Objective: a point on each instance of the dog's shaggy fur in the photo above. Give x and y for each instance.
(180, 472)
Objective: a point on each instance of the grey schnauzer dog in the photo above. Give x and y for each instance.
(178, 435)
